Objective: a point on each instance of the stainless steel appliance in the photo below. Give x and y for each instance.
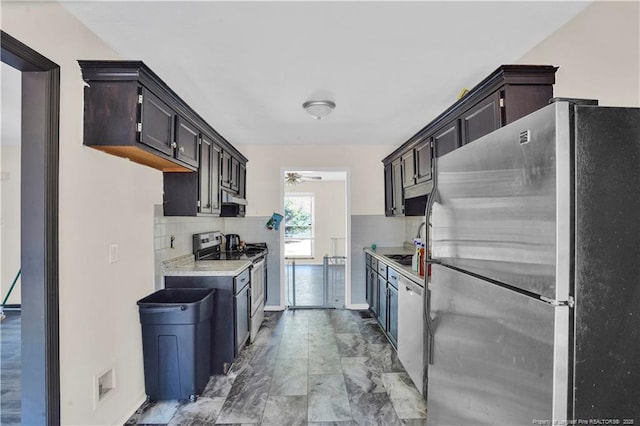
(258, 275)
(231, 205)
(410, 338)
(533, 309)
(232, 242)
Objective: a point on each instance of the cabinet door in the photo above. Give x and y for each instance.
(373, 282)
(398, 195)
(388, 190)
(216, 158)
(446, 139)
(423, 161)
(482, 119)
(234, 173)
(242, 181)
(242, 315)
(157, 120)
(204, 173)
(367, 283)
(408, 169)
(225, 165)
(187, 138)
(382, 302)
(392, 329)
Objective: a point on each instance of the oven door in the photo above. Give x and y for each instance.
(257, 297)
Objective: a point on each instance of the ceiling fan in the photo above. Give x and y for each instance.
(292, 178)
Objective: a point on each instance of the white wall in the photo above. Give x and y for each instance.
(103, 200)
(598, 53)
(330, 215)
(363, 161)
(10, 183)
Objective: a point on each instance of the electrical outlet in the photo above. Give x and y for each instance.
(113, 253)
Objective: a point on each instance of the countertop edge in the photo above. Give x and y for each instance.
(406, 271)
(185, 267)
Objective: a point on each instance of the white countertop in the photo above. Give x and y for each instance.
(405, 270)
(187, 266)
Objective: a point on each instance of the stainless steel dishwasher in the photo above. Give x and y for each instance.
(410, 329)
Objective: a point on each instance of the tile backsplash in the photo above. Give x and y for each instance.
(365, 230)
(181, 229)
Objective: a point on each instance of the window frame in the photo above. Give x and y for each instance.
(312, 238)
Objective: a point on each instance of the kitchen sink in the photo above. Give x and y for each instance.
(403, 259)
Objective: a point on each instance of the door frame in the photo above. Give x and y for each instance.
(347, 269)
(40, 342)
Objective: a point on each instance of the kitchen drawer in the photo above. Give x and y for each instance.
(382, 270)
(392, 277)
(374, 263)
(368, 257)
(241, 280)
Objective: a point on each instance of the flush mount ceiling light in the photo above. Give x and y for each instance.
(319, 109)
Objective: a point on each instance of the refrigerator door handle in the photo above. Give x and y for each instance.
(429, 324)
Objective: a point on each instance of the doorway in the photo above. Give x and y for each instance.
(39, 381)
(315, 238)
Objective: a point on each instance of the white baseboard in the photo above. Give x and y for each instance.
(358, 306)
(274, 308)
(135, 408)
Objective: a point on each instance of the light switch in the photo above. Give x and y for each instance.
(113, 253)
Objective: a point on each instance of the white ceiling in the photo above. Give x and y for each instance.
(391, 67)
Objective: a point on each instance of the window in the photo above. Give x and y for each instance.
(298, 225)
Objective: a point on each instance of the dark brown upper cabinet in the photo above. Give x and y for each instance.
(422, 153)
(225, 166)
(408, 169)
(209, 177)
(187, 140)
(397, 194)
(196, 193)
(482, 119)
(388, 190)
(130, 112)
(234, 175)
(157, 124)
(507, 94)
(446, 139)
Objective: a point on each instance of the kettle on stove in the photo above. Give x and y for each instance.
(232, 242)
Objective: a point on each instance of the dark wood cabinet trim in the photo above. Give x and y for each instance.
(137, 71)
(529, 75)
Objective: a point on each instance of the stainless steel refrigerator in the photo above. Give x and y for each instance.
(534, 308)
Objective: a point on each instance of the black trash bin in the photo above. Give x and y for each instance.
(176, 342)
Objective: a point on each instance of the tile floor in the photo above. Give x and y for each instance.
(306, 367)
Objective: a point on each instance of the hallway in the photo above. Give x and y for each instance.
(305, 367)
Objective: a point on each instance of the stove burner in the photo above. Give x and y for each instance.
(206, 246)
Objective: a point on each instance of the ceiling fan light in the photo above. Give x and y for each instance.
(319, 109)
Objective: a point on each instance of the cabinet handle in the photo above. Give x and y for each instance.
(174, 144)
(182, 149)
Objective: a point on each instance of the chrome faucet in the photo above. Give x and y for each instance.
(423, 224)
